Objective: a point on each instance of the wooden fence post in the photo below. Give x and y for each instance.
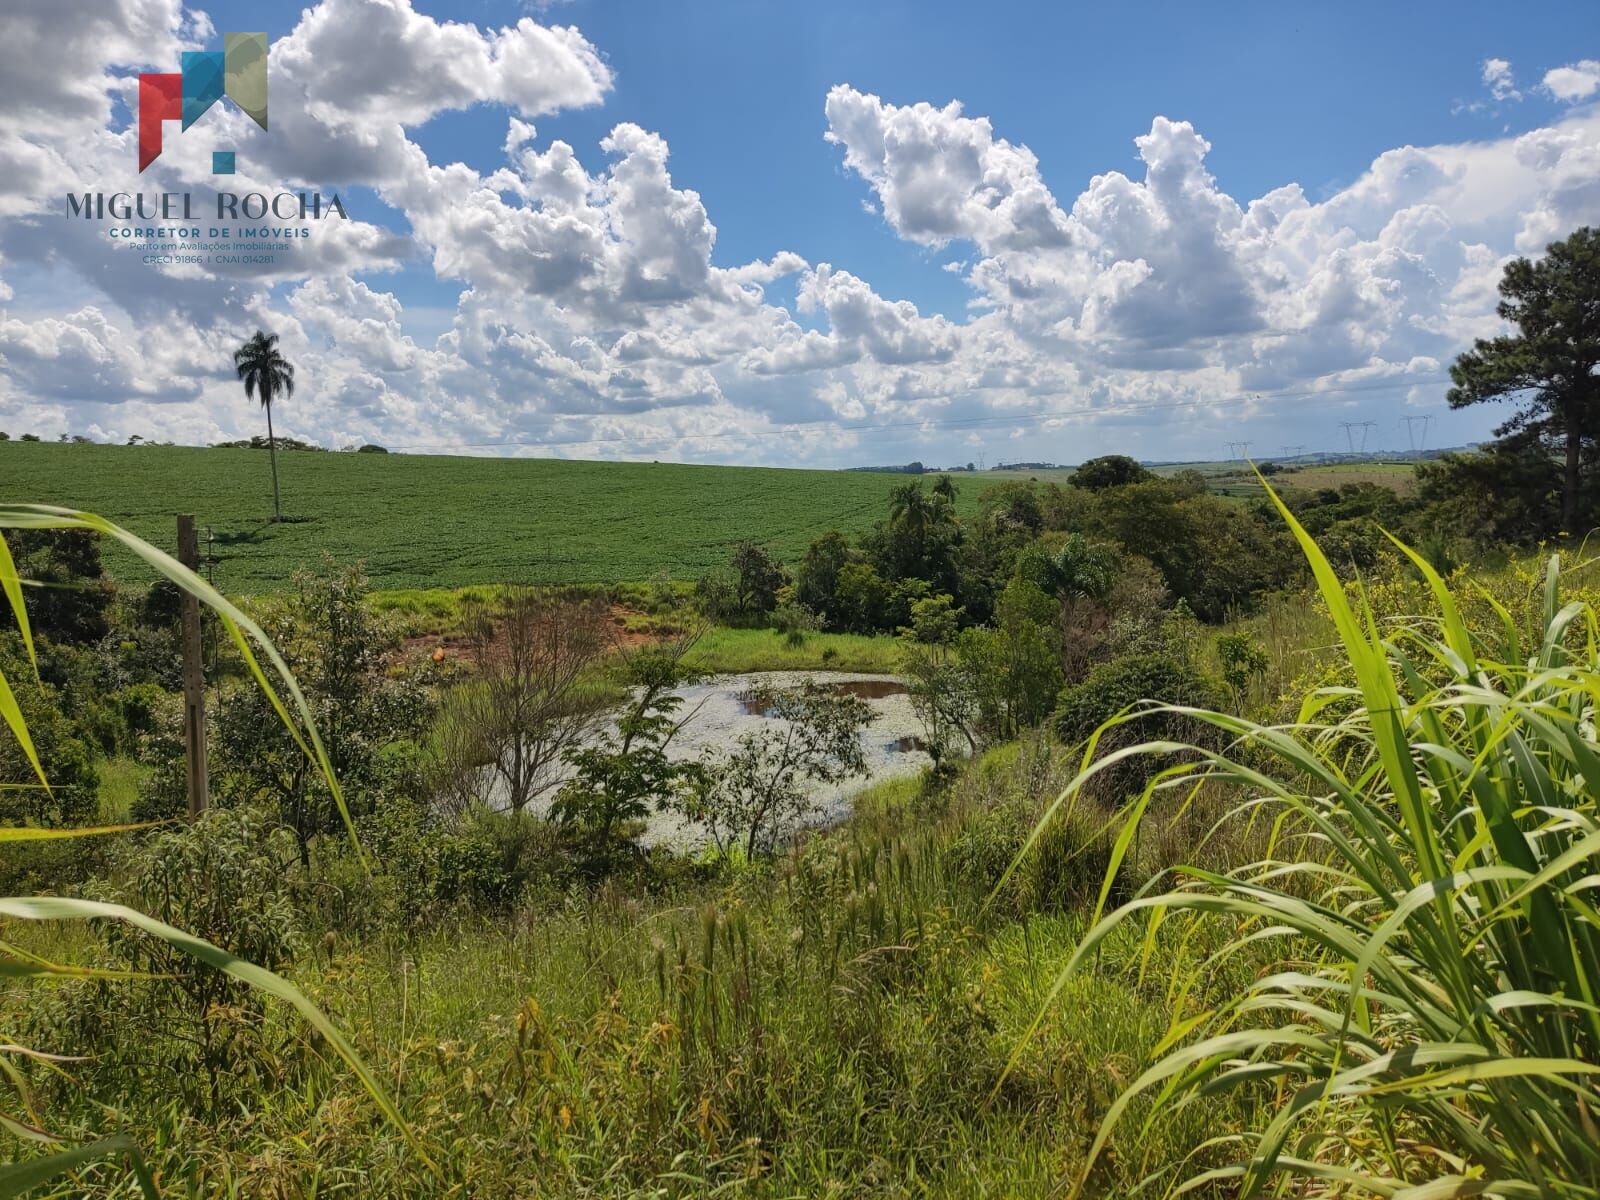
(194, 679)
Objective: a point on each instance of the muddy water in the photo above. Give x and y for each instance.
(867, 687)
(717, 711)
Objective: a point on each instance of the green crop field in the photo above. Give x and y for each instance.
(435, 521)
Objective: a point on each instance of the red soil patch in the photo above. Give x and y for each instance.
(455, 647)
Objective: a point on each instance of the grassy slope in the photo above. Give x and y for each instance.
(845, 1034)
(434, 521)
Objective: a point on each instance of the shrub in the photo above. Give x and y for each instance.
(762, 790)
(338, 647)
(1062, 871)
(225, 878)
(795, 622)
(1122, 682)
(164, 791)
(67, 759)
(1242, 662)
(477, 864)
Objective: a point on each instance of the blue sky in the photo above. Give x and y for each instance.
(899, 298)
(736, 87)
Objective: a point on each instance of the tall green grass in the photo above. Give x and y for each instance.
(1427, 1018)
(724, 651)
(260, 657)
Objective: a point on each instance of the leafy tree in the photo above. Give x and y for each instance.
(1015, 667)
(338, 649)
(618, 780)
(1507, 492)
(1065, 507)
(919, 539)
(758, 576)
(71, 597)
(65, 755)
(861, 598)
(716, 593)
(1131, 617)
(816, 583)
(766, 786)
(1108, 471)
(266, 374)
(745, 587)
(1013, 505)
(1551, 365)
(1215, 555)
(940, 684)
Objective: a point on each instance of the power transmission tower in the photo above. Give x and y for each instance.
(1293, 451)
(1411, 422)
(1238, 450)
(1350, 428)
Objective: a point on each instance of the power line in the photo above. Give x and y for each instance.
(1042, 414)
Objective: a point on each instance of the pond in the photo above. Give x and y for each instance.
(717, 711)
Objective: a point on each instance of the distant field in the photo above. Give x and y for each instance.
(1402, 477)
(1231, 480)
(436, 521)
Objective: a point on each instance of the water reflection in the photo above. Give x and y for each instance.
(753, 704)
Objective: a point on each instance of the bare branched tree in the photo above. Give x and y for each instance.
(531, 699)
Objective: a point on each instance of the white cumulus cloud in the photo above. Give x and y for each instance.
(584, 310)
(1573, 83)
(1498, 79)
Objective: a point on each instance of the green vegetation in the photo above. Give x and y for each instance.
(120, 782)
(1537, 479)
(723, 651)
(861, 1011)
(1230, 879)
(1549, 365)
(1439, 954)
(1238, 480)
(445, 522)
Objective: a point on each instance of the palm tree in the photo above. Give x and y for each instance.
(266, 374)
(909, 508)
